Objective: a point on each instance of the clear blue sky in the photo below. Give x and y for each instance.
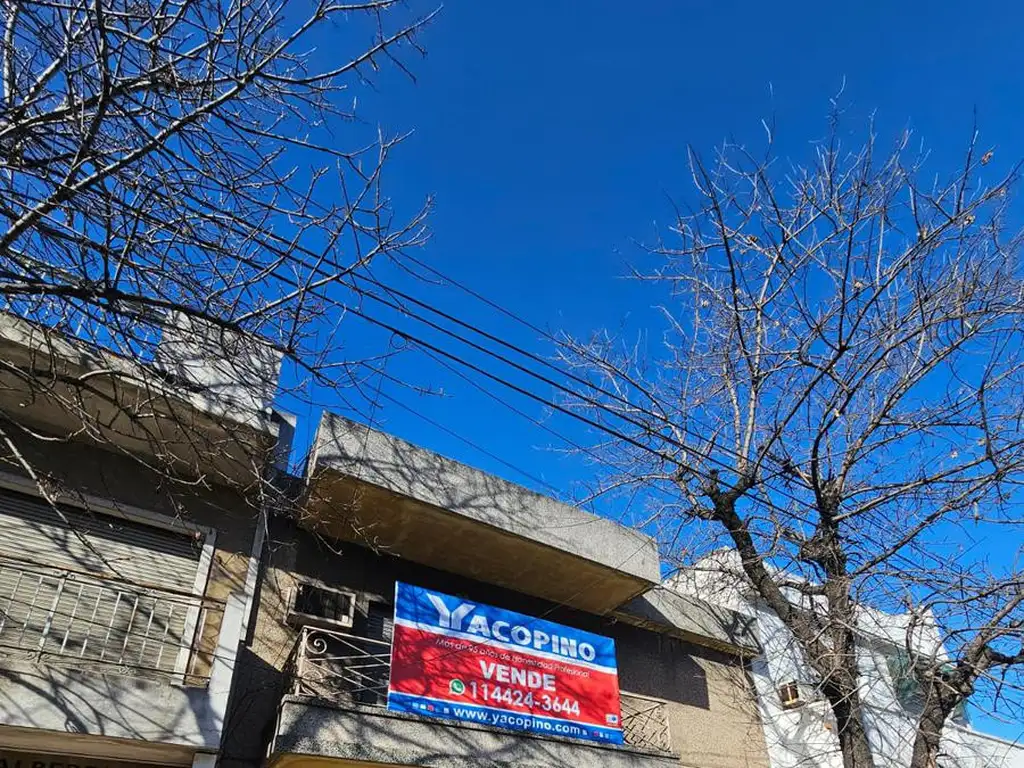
(551, 137)
(551, 133)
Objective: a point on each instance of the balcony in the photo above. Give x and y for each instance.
(336, 708)
(122, 669)
(645, 723)
(366, 486)
(133, 405)
(73, 618)
(341, 668)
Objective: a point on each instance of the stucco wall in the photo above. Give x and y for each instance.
(113, 706)
(714, 719)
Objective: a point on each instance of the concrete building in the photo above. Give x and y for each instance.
(377, 510)
(147, 625)
(123, 599)
(798, 727)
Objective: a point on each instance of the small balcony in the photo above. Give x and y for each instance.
(339, 681)
(365, 485)
(338, 667)
(62, 617)
(112, 667)
(645, 723)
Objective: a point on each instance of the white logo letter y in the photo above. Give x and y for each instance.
(450, 619)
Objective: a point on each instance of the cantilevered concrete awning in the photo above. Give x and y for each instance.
(129, 404)
(373, 488)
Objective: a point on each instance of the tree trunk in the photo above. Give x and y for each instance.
(853, 736)
(928, 737)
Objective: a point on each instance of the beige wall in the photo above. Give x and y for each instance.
(709, 696)
(727, 734)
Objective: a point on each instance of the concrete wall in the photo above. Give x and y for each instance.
(385, 737)
(414, 472)
(57, 697)
(664, 610)
(111, 706)
(714, 719)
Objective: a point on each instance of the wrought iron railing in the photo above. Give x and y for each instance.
(645, 723)
(343, 668)
(340, 667)
(59, 615)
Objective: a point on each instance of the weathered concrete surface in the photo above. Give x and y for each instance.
(132, 404)
(379, 736)
(375, 488)
(55, 700)
(663, 610)
(708, 696)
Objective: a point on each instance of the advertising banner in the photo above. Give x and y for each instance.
(461, 660)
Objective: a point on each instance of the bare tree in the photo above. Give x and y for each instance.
(186, 172)
(838, 399)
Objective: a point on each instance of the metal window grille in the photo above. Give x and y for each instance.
(645, 723)
(66, 615)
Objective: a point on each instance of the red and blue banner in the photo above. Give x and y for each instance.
(460, 660)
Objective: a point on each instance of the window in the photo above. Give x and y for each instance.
(315, 604)
(379, 621)
(789, 695)
(907, 688)
(905, 685)
(98, 588)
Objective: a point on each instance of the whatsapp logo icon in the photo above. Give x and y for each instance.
(456, 686)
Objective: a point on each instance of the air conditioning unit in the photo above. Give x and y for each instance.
(312, 604)
(789, 695)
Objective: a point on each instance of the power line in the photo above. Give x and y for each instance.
(317, 269)
(289, 254)
(547, 380)
(523, 414)
(467, 441)
(532, 356)
(316, 290)
(554, 340)
(533, 396)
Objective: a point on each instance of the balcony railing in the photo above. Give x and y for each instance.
(343, 668)
(58, 615)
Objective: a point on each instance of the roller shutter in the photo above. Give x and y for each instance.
(103, 589)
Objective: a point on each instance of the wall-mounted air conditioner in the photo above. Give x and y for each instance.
(313, 604)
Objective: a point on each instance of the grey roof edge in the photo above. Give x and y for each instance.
(387, 461)
(35, 337)
(666, 611)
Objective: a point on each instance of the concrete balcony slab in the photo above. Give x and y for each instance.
(311, 734)
(373, 488)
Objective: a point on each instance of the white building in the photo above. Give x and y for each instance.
(798, 725)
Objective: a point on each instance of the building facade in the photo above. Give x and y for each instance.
(154, 620)
(124, 595)
(799, 730)
(379, 511)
